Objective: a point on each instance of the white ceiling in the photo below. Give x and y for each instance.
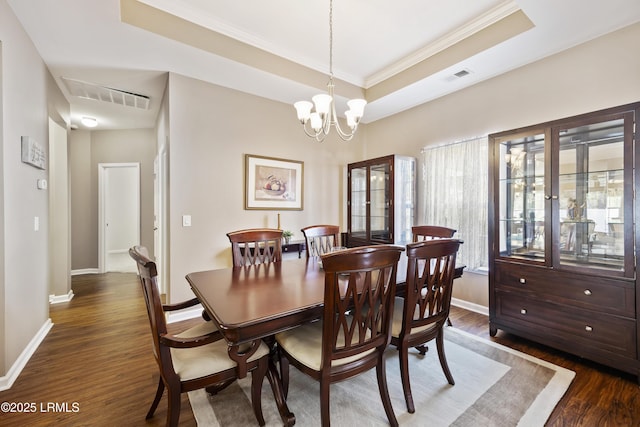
(374, 40)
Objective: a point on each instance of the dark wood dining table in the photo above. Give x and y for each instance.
(256, 302)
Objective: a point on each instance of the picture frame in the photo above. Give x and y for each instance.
(273, 184)
(33, 153)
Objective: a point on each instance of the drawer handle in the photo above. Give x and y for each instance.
(523, 280)
(587, 292)
(588, 328)
(523, 311)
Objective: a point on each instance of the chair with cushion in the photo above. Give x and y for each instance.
(351, 338)
(319, 239)
(196, 358)
(430, 232)
(419, 317)
(255, 246)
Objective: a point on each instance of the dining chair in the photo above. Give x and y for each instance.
(429, 232)
(319, 239)
(197, 357)
(351, 338)
(255, 246)
(420, 315)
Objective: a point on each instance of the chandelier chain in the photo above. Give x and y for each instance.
(331, 38)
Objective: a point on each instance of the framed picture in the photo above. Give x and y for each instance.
(33, 153)
(272, 183)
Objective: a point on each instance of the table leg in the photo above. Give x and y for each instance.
(288, 419)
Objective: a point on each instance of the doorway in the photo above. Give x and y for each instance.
(119, 215)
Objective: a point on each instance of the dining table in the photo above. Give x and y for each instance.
(252, 303)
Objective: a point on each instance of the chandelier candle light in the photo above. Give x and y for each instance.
(324, 116)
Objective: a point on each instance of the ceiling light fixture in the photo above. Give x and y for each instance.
(324, 116)
(89, 122)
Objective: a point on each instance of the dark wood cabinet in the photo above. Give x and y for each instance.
(381, 201)
(562, 235)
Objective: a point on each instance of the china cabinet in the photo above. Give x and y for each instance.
(381, 200)
(562, 238)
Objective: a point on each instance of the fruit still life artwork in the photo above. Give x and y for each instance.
(274, 186)
(275, 183)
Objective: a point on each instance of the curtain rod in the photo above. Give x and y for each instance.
(460, 141)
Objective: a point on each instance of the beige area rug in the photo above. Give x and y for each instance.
(495, 386)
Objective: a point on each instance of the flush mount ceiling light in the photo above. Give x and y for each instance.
(89, 122)
(324, 116)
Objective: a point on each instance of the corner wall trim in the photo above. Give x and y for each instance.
(57, 299)
(7, 381)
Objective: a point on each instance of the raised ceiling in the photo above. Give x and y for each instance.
(397, 54)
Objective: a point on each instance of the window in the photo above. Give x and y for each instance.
(454, 195)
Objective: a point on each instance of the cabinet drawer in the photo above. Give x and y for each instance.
(606, 295)
(556, 322)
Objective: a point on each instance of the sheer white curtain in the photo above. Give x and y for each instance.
(454, 194)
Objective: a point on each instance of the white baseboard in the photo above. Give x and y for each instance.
(85, 271)
(191, 313)
(57, 299)
(7, 381)
(476, 308)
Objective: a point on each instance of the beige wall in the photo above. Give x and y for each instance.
(211, 129)
(59, 214)
(602, 73)
(84, 217)
(88, 149)
(23, 252)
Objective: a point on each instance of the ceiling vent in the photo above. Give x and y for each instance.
(458, 75)
(106, 94)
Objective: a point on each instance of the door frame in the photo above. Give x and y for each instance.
(102, 169)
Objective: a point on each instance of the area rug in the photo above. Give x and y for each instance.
(495, 386)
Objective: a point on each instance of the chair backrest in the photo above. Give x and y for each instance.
(360, 286)
(319, 239)
(149, 280)
(255, 246)
(430, 272)
(429, 232)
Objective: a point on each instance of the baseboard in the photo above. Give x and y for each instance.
(476, 308)
(179, 316)
(57, 299)
(7, 381)
(85, 271)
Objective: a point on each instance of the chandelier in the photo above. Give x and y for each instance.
(318, 124)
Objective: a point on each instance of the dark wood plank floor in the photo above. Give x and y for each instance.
(98, 355)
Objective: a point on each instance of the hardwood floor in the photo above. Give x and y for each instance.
(98, 356)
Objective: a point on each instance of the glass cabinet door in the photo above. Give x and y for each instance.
(592, 194)
(358, 180)
(379, 192)
(521, 210)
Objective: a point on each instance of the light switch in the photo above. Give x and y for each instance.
(186, 220)
(36, 223)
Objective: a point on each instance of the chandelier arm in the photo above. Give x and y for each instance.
(346, 136)
(310, 132)
(343, 135)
